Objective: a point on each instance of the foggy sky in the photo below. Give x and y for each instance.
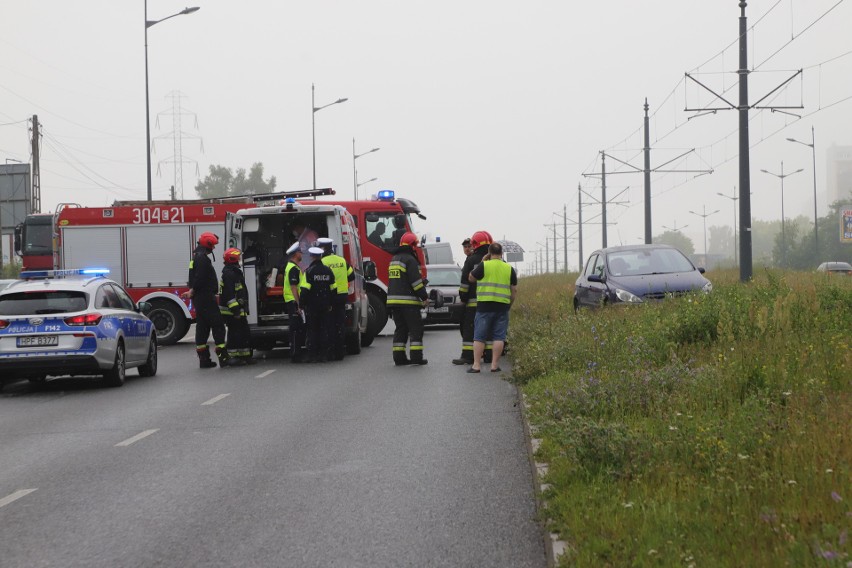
(487, 113)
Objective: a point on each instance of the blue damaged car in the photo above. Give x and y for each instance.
(637, 273)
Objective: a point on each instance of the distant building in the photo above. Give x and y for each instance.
(838, 180)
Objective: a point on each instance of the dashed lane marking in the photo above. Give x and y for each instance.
(136, 438)
(15, 496)
(265, 374)
(215, 399)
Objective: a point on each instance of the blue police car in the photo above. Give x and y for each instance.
(73, 322)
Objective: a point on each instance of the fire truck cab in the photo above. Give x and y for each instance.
(381, 221)
(264, 234)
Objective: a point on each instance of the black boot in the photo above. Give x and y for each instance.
(204, 361)
(417, 358)
(223, 356)
(400, 359)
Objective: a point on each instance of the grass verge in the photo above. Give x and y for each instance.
(711, 430)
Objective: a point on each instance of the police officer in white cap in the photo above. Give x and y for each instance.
(293, 280)
(343, 275)
(316, 294)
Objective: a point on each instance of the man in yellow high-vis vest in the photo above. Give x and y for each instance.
(496, 287)
(294, 278)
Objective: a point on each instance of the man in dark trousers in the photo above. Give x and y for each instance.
(406, 295)
(343, 275)
(293, 280)
(497, 285)
(233, 305)
(203, 285)
(316, 294)
(479, 243)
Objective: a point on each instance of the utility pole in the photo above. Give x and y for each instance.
(746, 266)
(35, 196)
(742, 108)
(647, 150)
(580, 222)
(603, 197)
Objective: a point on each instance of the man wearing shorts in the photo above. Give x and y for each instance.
(496, 286)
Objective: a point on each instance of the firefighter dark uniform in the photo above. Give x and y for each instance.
(233, 305)
(406, 295)
(316, 294)
(467, 294)
(294, 278)
(203, 285)
(343, 275)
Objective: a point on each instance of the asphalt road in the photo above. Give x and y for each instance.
(358, 463)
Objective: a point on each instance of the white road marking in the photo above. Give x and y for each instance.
(136, 438)
(15, 496)
(215, 399)
(265, 374)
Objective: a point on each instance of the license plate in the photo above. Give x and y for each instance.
(38, 341)
(441, 310)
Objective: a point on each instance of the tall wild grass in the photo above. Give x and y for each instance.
(711, 430)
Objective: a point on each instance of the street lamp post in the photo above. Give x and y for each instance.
(734, 199)
(781, 176)
(314, 128)
(813, 153)
(148, 24)
(704, 214)
(354, 171)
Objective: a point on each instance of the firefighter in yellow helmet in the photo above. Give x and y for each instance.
(406, 296)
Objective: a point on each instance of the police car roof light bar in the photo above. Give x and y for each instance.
(39, 274)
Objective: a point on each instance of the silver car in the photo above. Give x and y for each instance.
(69, 322)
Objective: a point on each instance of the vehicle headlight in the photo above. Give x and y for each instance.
(707, 288)
(628, 297)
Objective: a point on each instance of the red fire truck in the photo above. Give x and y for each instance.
(147, 246)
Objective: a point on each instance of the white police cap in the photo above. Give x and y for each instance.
(316, 251)
(293, 248)
(324, 241)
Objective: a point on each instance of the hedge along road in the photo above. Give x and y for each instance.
(358, 463)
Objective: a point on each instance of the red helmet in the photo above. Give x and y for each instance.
(232, 256)
(480, 238)
(208, 240)
(409, 239)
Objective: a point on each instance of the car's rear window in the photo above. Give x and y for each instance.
(42, 302)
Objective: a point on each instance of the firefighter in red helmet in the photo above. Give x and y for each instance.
(203, 285)
(406, 296)
(479, 241)
(233, 305)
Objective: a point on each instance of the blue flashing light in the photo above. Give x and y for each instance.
(290, 200)
(39, 274)
(385, 195)
(95, 271)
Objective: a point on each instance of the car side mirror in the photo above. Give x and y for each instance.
(702, 270)
(370, 272)
(595, 278)
(437, 298)
(144, 308)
